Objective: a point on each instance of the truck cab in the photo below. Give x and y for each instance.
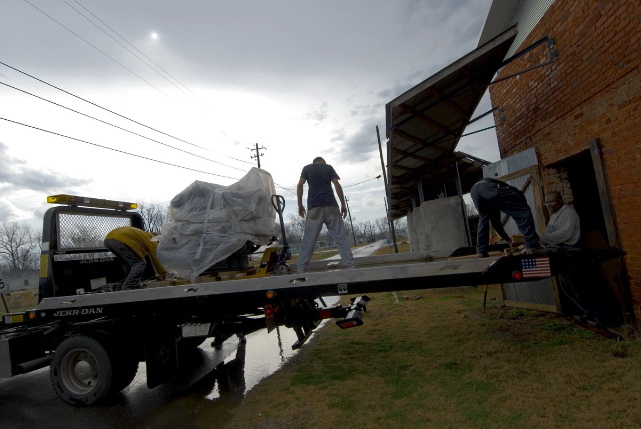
(74, 259)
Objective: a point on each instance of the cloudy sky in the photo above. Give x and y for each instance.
(135, 100)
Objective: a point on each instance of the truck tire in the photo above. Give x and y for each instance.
(127, 368)
(123, 356)
(82, 371)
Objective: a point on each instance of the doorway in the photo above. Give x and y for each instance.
(580, 174)
(592, 293)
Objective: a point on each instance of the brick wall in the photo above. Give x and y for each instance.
(592, 90)
(556, 179)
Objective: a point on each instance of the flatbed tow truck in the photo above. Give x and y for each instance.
(93, 339)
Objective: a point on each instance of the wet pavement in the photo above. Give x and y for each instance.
(202, 396)
(363, 251)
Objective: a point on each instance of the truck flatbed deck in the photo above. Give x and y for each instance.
(375, 274)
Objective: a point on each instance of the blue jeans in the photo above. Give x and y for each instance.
(330, 216)
(491, 199)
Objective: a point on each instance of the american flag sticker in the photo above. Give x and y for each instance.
(535, 267)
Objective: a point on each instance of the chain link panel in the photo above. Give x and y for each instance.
(83, 231)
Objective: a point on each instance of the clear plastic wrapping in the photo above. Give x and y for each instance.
(209, 222)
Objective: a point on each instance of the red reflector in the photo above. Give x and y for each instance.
(348, 324)
(324, 314)
(517, 275)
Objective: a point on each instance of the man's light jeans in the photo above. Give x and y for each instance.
(329, 216)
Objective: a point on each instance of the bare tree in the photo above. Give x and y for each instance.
(80, 236)
(382, 227)
(400, 226)
(153, 215)
(18, 246)
(294, 228)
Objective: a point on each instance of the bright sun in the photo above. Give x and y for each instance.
(154, 36)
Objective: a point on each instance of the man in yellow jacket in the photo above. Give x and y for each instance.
(131, 246)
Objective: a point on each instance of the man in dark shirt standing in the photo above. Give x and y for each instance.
(322, 209)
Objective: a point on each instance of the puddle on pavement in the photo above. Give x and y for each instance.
(262, 355)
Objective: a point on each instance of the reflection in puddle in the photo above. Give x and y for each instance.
(261, 355)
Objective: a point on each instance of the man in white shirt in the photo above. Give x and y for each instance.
(563, 229)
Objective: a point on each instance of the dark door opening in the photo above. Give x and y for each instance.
(589, 292)
(587, 203)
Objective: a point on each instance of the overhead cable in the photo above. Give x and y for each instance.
(120, 128)
(97, 49)
(282, 187)
(112, 112)
(373, 178)
(118, 42)
(117, 150)
(133, 46)
(144, 62)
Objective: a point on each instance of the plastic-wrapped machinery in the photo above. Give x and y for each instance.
(210, 222)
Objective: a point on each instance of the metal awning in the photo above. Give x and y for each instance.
(424, 126)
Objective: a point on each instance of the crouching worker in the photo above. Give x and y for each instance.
(491, 197)
(131, 246)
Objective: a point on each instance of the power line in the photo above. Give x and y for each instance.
(130, 154)
(117, 41)
(96, 48)
(373, 178)
(116, 150)
(346, 186)
(120, 128)
(282, 187)
(114, 60)
(144, 62)
(112, 112)
(133, 46)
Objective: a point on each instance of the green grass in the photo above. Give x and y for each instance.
(19, 301)
(440, 362)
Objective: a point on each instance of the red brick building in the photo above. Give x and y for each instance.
(581, 113)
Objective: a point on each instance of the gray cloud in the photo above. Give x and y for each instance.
(366, 110)
(15, 174)
(438, 17)
(231, 42)
(361, 145)
(318, 114)
(339, 135)
(6, 211)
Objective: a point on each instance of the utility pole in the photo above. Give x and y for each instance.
(258, 154)
(350, 220)
(390, 222)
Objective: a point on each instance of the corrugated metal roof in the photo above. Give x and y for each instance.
(425, 124)
(527, 15)
(503, 14)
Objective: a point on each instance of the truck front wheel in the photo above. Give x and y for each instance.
(82, 371)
